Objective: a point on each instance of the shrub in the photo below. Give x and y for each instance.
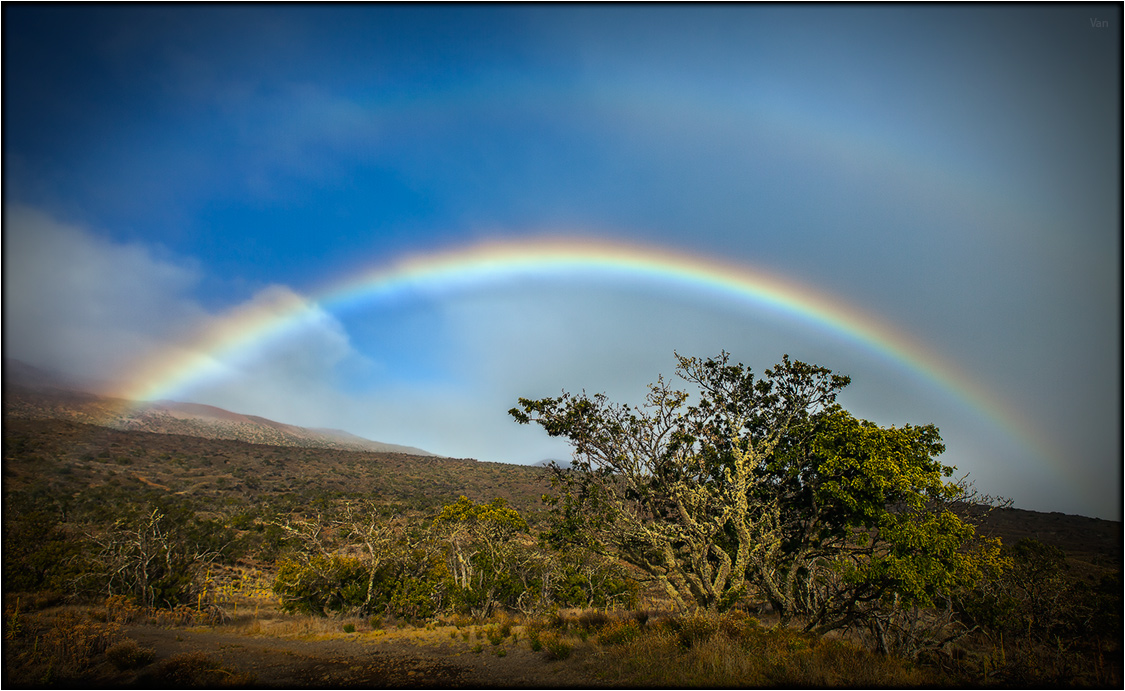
(593, 619)
(349, 628)
(738, 625)
(320, 585)
(128, 654)
(619, 632)
(533, 632)
(694, 630)
(73, 642)
(557, 649)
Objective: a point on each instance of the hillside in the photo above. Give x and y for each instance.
(65, 458)
(34, 394)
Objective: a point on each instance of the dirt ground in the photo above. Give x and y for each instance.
(409, 658)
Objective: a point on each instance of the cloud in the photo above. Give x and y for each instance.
(85, 306)
(292, 372)
(124, 318)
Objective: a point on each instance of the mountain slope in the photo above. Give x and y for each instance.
(31, 393)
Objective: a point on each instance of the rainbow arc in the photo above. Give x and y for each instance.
(506, 260)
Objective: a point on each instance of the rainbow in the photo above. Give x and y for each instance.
(491, 262)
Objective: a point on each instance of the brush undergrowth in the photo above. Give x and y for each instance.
(627, 649)
(727, 651)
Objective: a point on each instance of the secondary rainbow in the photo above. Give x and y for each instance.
(564, 258)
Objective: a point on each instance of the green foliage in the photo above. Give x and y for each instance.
(417, 597)
(764, 486)
(1038, 599)
(494, 520)
(321, 584)
(474, 558)
(492, 564)
(39, 553)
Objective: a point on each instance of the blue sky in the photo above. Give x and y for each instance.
(954, 170)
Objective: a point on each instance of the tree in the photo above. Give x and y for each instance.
(482, 551)
(152, 557)
(759, 485)
(357, 561)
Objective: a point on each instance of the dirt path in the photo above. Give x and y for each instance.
(409, 659)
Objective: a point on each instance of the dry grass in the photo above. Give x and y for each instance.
(297, 626)
(194, 669)
(128, 654)
(737, 652)
(65, 646)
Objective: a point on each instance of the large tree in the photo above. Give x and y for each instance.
(759, 485)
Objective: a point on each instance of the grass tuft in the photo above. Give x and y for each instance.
(733, 651)
(128, 654)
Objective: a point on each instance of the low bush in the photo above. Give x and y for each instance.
(128, 654)
(73, 642)
(557, 648)
(619, 632)
(592, 620)
(43, 650)
(695, 629)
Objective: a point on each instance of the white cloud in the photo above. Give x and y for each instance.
(102, 312)
(85, 306)
(291, 374)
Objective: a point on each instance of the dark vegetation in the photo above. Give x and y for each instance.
(105, 527)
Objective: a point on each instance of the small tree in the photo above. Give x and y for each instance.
(761, 484)
(481, 550)
(360, 562)
(151, 557)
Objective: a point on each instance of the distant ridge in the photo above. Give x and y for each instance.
(33, 393)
